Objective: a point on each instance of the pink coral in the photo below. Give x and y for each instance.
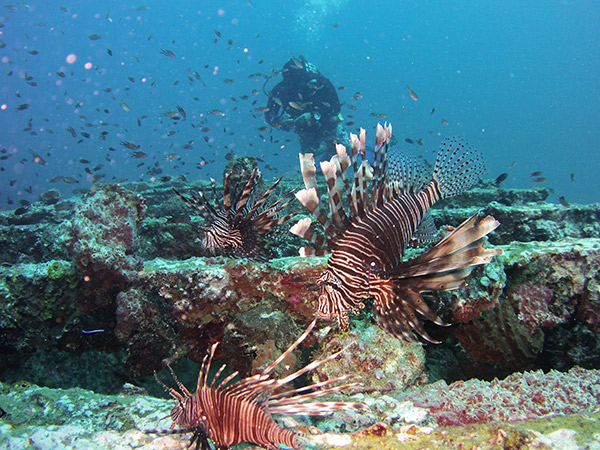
(294, 298)
(520, 396)
(533, 303)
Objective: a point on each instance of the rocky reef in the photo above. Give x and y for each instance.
(105, 289)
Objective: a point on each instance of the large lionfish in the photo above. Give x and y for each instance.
(229, 414)
(237, 231)
(386, 205)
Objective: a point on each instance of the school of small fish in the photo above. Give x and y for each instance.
(110, 129)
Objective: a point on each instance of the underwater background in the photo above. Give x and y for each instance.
(517, 79)
(106, 108)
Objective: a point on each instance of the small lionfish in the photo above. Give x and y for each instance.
(385, 210)
(241, 412)
(237, 231)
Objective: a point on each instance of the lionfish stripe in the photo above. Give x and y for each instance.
(302, 228)
(246, 193)
(263, 198)
(298, 399)
(467, 233)
(335, 198)
(308, 368)
(309, 199)
(284, 396)
(317, 409)
(308, 170)
(291, 349)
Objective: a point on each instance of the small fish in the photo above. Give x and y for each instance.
(539, 179)
(295, 106)
(572, 176)
(143, 8)
(109, 51)
(498, 181)
(123, 105)
(23, 106)
(181, 111)
(217, 32)
(297, 64)
(563, 201)
(60, 74)
(216, 112)
(168, 53)
(445, 122)
(263, 128)
(433, 110)
(409, 141)
(93, 37)
(228, 81)
(70, 180)
(172, 115)
(129, 145)
(537, 173)
(139, 155)
(357, 96)
(412, 93)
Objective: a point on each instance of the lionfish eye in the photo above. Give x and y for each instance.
(373, 266)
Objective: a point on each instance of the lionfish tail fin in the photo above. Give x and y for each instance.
(458, 167)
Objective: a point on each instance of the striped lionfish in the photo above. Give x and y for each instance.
(237, 231)
(385, 209)
(229, 414)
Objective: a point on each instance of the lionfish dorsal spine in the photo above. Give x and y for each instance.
(240, 208)
(345, 162)
(263, 198)
(226, 198)
(336, 208)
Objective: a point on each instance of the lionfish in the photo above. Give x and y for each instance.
(386, 206)
(237, 231)
(229, 414)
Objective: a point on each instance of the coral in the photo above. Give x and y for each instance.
(137, 318)
(103, 234)
(535, 288)
(520, 396)
(37, 303)
(381, 362)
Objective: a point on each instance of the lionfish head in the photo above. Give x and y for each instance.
(188, 414)
(331, 304)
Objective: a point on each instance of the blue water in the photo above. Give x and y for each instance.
(517, 79)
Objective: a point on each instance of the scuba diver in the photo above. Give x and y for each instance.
(307, 103)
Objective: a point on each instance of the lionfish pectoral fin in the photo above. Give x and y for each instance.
(395, 310)
(459, 251)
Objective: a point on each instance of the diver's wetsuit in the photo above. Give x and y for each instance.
(306, 102)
